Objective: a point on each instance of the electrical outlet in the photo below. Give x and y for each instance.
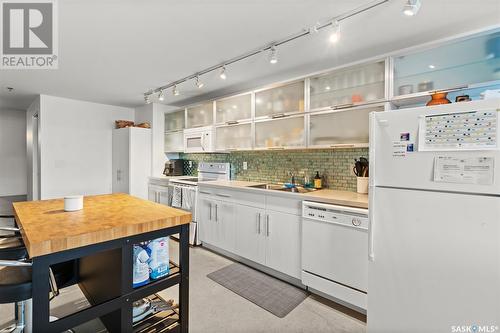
(245, 165)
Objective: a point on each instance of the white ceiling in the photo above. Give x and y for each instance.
(111, 51)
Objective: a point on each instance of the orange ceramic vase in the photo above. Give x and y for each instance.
(439, 98)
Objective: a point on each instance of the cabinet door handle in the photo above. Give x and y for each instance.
(223, 195)
(210, 218)
(258, 223)
(216, 214)
(157, 200)
(267, 225)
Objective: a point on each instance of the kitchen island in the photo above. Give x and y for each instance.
(100, 240)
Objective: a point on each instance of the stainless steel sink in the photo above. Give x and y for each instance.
(280, 187)
(297, 189)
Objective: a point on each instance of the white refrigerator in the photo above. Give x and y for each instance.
(434, 238)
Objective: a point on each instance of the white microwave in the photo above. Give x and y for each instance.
(199, 140)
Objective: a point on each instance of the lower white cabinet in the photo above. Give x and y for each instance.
(250, 240)
(283, 242)
(267, 237)
(160, 194)
(217, 223)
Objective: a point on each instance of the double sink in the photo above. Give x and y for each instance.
(282, 188)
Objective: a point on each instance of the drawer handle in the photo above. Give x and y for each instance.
(223, 195)
(203, 192)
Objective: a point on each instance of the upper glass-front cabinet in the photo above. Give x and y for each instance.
(200, 115)
(280, 100)
(347, 127)
(233, 109)
(348, 86)
(280, 133)
(174, 121)
(456, 65)
(174, 142)
(234, 137)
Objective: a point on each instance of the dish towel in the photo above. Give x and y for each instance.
(187, 198)
(177, 197)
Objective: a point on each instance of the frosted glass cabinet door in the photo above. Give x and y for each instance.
(353, 85)
(175, 121)
(234, 137)
(200, 115)
(233, 109)
(284, 132)
(280, 100)
(340, 127)
(174, 142)
(470, 61)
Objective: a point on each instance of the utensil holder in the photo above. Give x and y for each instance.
(362, 185)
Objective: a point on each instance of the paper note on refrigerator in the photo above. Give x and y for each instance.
(470, 170)
(471, 130)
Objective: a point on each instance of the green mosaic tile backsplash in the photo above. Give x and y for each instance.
(335, 165)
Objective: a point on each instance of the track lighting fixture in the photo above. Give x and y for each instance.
(175, 91)
(223, 73)
(198, 83)
(161, 96)
(335, 35)
(411, 7)
(273, 55)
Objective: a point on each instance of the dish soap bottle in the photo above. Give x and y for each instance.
(317, 180)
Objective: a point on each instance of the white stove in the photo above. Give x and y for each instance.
(185, 191)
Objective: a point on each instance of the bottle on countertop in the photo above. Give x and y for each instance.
(317, 181)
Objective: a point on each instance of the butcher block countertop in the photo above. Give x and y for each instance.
(46, 228)
(335, 197)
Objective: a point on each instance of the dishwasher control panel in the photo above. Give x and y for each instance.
(348, 216)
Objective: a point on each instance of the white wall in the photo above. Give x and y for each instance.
(76, 146)
(12, 152)
(154, 114)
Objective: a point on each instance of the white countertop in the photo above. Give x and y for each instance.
(344, 198)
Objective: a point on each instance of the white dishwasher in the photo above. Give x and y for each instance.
(335, 252)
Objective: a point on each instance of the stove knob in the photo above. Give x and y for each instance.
(356, 222)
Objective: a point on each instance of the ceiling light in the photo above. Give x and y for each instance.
(273, 55)
(315, 28)
(432, 66)
(335, 35)
(175, 91)
(198, 83)
(327, 88)
(223, 73)
(161, 97)
(411, 7)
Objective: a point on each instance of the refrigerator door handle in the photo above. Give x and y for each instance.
(371, 224)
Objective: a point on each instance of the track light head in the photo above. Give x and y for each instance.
(161, 96)
(175, 91)
(198, 83)
(412, 7)
(222, 74)
(335, 35)
(273, 55)
(147, 100)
